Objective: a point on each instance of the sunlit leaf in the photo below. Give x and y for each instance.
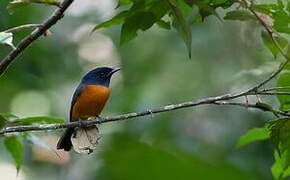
(255, 134)
(7, 38)
(182, 26)
(241, 15)
(14, 146)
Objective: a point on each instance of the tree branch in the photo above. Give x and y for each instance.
(217, 100)
(25, 26)
(57, 15)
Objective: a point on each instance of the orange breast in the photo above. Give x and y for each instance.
(91, 102)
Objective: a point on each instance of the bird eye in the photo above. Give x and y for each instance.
(102, 74)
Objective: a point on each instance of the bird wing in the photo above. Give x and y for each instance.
(76, 95)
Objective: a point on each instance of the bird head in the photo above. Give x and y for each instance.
(100, 76)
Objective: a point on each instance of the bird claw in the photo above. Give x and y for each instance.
(81, 123)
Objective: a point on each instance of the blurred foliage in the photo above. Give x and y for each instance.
(15, 4)
(283, 81)
(15, 148)
(153, 162)
(255, 134)
(196, 144)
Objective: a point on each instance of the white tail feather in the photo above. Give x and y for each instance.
(85, 140)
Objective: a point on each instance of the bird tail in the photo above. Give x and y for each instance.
(85, 140)
(65, 140)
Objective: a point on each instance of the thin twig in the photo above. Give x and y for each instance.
(254, 106)
(21, 27)
(54, 3)
(276, 89)
(57, 15)
(274, 93)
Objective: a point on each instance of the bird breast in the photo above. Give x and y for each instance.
(90, 102)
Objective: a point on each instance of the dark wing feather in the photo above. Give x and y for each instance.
(76, 95)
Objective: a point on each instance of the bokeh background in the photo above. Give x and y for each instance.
(193, 143)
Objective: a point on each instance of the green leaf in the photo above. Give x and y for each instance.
(7, 38)
(281, 21)
(277, 168)
(163, 24)
(267, 40)
(9, 117)
(182, 26)
(3, 122)
(38, 120)
(20, 3)
(280, 134)
(255, 134)
(281, 169)
(265, 8)
(241, 15)
(141, 20)
(118, 19)
(206, 10)
(184, 7)
(284, 81)
(14, 146)
(124, 2)
(278, 13)
(141, 16)
(13, 5)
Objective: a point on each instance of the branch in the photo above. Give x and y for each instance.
(217, 100)
(25, 26)
(56, 16)
(276, 89)
(210, 100)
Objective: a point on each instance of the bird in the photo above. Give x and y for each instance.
(87, 103)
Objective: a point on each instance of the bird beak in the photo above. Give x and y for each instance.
(113, 71)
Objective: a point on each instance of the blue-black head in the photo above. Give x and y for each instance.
(100, 76)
